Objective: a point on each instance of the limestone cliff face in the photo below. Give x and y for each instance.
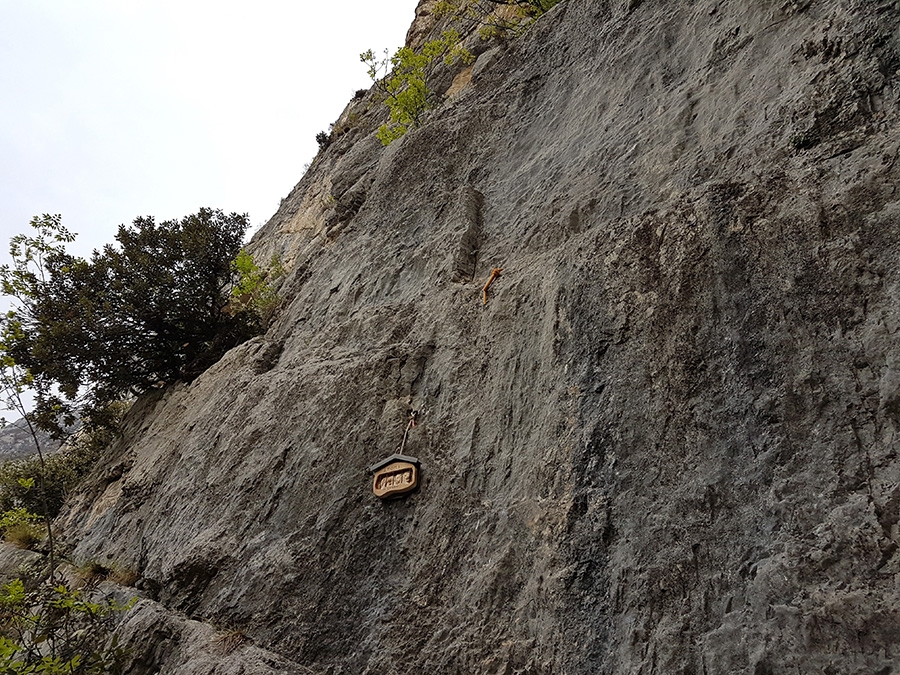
(424, 25)
(667, 444)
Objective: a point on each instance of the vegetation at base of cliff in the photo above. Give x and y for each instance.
(60, 472)
(55, 630)
(14, 380)
(402, 79)
(145, 312)
(83, 337)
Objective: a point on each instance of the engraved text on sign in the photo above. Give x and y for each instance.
(396, 478)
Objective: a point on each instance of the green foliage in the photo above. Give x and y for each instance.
(20, 527)
(253, 292)
(18, 516)
(30, 255)
(33, 258)
(136, 315)
(323, 138)
(499, 19)
(14, 378)
(55, 630)
(60, 472)
(402, 80)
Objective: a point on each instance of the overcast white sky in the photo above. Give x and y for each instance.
(111, 109)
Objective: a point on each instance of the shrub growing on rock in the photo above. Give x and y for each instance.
(495, 18)
(402, 81)
(253, 292)
(323, 138)
(60, 471)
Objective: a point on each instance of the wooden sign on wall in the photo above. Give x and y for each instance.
(394, 476)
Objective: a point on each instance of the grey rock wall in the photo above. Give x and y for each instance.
(667, 443)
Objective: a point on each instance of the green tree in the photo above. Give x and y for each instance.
(138, 314)
(402, 81)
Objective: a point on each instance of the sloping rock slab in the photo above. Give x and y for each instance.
(164, 642)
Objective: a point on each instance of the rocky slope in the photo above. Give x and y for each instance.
(16, 442)
(667, 443)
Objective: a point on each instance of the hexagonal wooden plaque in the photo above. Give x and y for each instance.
(397, 478)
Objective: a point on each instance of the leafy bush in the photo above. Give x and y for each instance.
(323, 138)
(252, 293)
(55, 630)
(402, 80)
(60, 473)
(17, 516)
